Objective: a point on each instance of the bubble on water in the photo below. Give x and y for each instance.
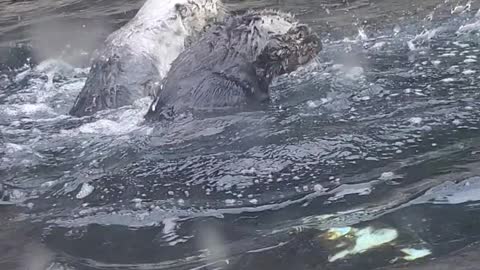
(85, 190)
(253, 201)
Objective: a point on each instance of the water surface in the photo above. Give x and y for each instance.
(378, 138)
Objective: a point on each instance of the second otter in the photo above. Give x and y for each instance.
(234, 63)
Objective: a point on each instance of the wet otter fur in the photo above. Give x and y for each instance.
(137, 56)
(233, 64)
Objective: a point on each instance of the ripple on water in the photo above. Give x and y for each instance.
(351, 142)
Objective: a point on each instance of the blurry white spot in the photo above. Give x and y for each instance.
(448, 80)
(387, 176)
(355, 73)
(460, 9)
(361, 34)
(470, 60)
(412, 254)
(469, 72)
(461, 45)
(451, 54)
(169, 225)
(230, 201)
(396, 29)
(248, 171)
(312, 104)
(318, 188)
(85, 190)
(253, 201)
(378, 45)
(415, 120)
(365, 98)
(48, 184)
(436, 62)
(171, 193)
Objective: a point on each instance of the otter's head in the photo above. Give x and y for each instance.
(197, 14)
(284, 53)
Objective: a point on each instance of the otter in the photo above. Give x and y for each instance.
(137, 56)
(233, 64)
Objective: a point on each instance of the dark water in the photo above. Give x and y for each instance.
(368, 154)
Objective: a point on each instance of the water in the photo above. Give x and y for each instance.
(366, 159)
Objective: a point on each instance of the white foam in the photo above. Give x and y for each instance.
(85, 190)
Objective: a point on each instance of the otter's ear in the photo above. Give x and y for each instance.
(183, 10)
